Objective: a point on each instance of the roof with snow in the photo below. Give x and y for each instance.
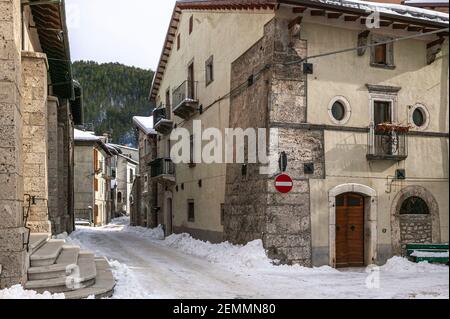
(145, 124)
(85, 136)
(419, 19)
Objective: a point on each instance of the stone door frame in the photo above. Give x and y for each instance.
(370, 220)
(427, 196)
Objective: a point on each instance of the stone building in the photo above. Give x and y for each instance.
(144, 211)
(93, 177)
(39, 105)
(352, 126)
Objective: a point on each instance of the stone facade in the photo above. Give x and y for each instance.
(35, 139)
(12, 232)
(254, 209)
(29, 150)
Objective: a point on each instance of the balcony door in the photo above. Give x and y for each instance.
(382, 112)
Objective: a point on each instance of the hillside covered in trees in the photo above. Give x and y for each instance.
(113, 94)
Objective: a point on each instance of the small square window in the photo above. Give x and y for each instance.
(191, 211)
(209, 70)
(382, 55)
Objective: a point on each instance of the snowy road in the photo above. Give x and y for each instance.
(149, 268)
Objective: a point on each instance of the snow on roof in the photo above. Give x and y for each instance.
(145, 124)
(390, 8)
(424, 1)
(85, 136)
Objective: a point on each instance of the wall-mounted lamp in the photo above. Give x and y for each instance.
(283, 162)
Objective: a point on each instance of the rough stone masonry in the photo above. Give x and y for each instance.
(269, 94)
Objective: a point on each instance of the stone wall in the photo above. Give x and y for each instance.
(12, 252)
(416, 229)
(35, 139)
(275, 100)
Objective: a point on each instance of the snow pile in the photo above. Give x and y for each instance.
(127, 285)
(428, 254)
(155, 233)
(125, 220)
(251, 255)
(17, 292)
(403, 265)
(64, 236)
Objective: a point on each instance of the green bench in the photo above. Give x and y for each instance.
(432, 253)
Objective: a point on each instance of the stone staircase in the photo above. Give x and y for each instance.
(60, 268)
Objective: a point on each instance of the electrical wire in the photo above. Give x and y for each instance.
(415, 36)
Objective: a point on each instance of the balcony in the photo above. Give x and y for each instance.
(184, 99)
(387, 145)
(161, 122)
(163, 171)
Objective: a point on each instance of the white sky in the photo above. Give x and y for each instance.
(131, 32)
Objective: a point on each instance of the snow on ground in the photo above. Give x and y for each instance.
(148, 266)
(17, 292)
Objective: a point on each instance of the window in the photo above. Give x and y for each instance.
(209, 70)
(146, 183)
(168, 105)
(191, 152)
(191, 24)
(178, 42)
(191, 81)
(119, 197)
(95, 160)
(95, 184)
(191, 211)
(382, 112)
(414, 206)
(339, 110)
(131, 175)
(420, 117)
(382, 55)
(222, 214)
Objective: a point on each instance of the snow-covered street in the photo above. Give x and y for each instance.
(181, 267)
(147, 266)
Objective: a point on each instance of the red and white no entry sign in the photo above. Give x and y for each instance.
(284, 183)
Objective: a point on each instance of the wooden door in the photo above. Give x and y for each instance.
(349, 230)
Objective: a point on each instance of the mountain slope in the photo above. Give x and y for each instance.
(113, 93)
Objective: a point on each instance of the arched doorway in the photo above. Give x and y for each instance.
(350, 230)
(350, 206)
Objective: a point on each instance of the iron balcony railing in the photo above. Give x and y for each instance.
(158, 115)
(186, 92)
(162, 167)
(387, 145)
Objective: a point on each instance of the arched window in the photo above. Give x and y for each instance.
(414, 206)
(119, 197)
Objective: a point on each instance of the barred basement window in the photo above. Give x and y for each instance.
(414, 206)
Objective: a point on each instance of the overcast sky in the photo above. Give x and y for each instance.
(125, 31)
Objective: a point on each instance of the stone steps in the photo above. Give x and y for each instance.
(37, 241)
(76, 280)
(60, 268)
(104, 283)
(47, 254)
(67, 257)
